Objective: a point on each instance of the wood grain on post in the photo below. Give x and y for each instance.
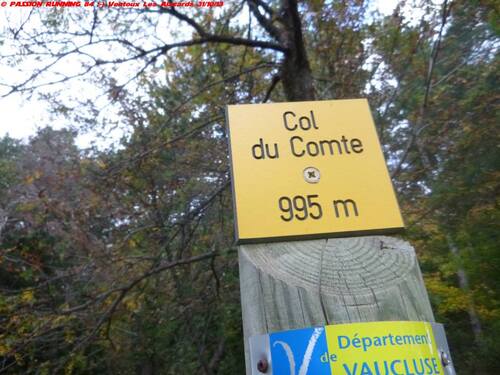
(290, 285)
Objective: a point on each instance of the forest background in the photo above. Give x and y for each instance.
(121, 259)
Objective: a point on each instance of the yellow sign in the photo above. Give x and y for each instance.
(374, 348)
(396, 348)
(309, 169)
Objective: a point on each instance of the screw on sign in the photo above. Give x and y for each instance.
(445, 359)
(312, 175)
(263, 366)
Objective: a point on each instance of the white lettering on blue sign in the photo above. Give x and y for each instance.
(304, 347)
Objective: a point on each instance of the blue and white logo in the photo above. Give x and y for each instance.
(298, 352)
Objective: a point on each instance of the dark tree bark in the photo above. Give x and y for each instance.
(296, 73)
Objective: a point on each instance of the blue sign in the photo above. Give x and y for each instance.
(296, 352)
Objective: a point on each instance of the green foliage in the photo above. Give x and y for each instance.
(450, 182)
(9, 151)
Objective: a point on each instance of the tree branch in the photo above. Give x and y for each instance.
(274, 82)
(266, 23)
(195, 25)
(419, 126)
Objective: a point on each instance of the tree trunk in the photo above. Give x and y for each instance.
(463, 283)
(296, 73)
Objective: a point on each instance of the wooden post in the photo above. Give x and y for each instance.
(300, 284)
